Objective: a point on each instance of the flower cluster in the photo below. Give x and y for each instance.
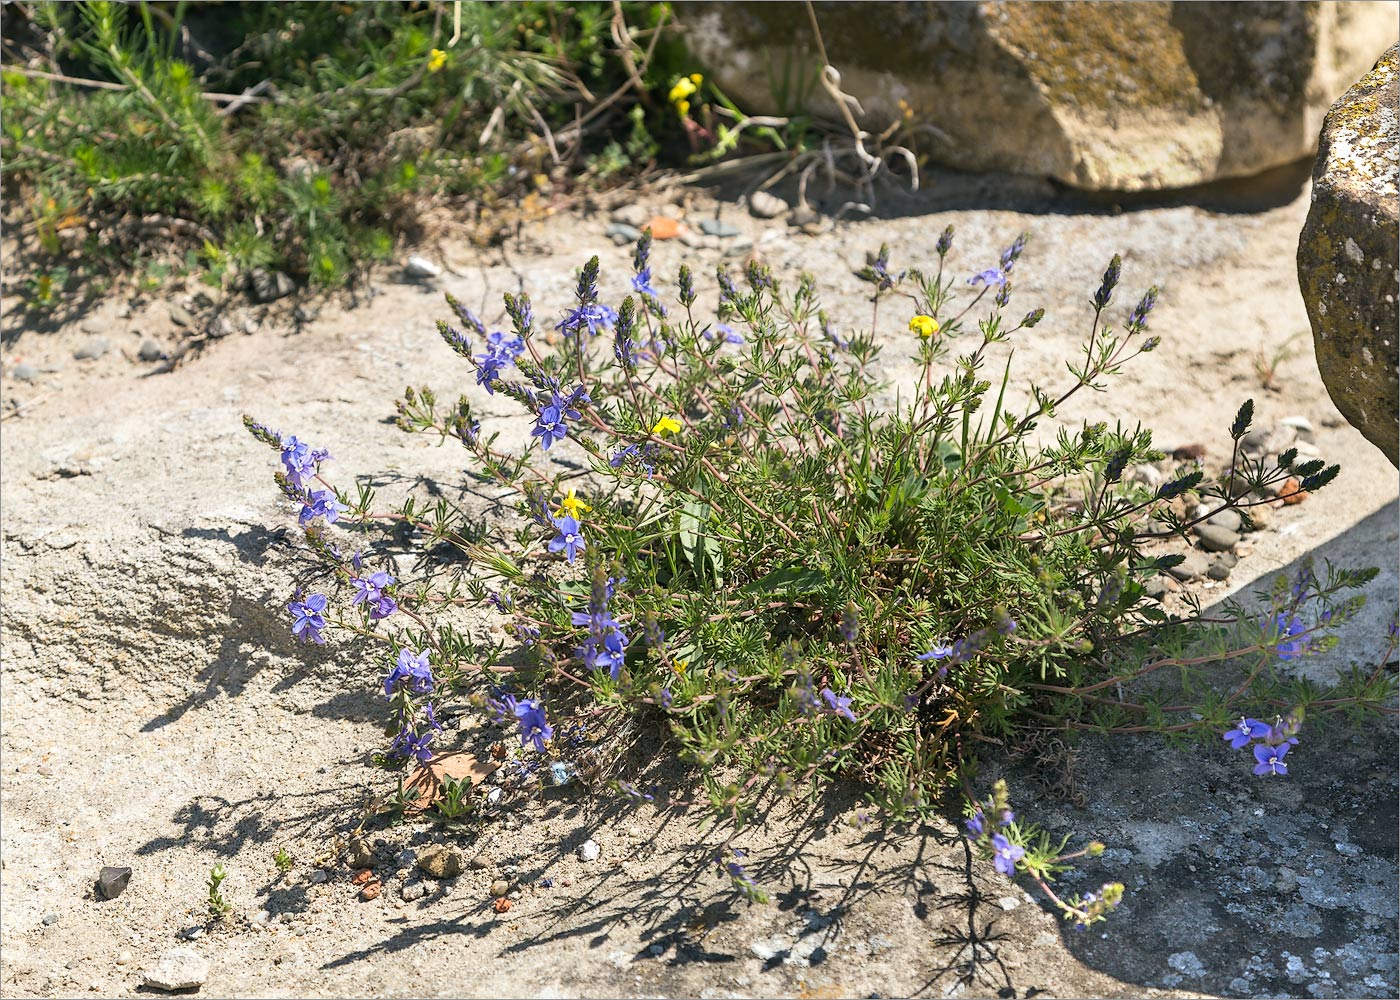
(682, 91)
(529, 715)
(309, 618)
(1271, 743)
(965, 648)
(301, 461)
(1003, 852)
(551, 424)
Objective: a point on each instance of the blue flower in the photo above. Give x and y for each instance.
(550, 426)
(533, 726)
(412, 669)
(841, 706)
(606, 645)
(977, 825)
(570, 541)
(409, 744)
(370, 589)
(1285, 627)
(1005, 854)
(308, 618)
(1247, 730)
(1270, 759)
(991, 276)
(593, 317)
(321, 503)
(301, 460)
(641, 282)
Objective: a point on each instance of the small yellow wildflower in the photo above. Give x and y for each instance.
(684, 87)
(683, 107)
(679, 667)
(437, 59)
(572, 506)
(666, 424)
(924, 326)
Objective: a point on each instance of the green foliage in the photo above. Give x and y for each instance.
(282, 858)
(218, 907)
(310, 139)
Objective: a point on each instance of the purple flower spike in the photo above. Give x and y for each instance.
(991, 276)
(1006, 854)
(1241, 735)
(977, 825)
(1271, 759)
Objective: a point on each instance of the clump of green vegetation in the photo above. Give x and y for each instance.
(218, 906)
(306, 138)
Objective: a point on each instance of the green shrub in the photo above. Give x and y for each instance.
(739, 551)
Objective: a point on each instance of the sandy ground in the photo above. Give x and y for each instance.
(156, 713)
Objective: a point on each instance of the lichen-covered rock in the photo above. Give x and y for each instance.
(1347, 256)
(1107, 96)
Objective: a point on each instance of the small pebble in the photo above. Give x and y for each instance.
(371, 891)
(1257, 518)
(1219, 570)
(766, 206)
(421, 267)
(319, 876)
(1193, 567)
(413, 890)
(93, 349)
(633, 216)
(123, 958)
(1300, 424)
(26, 372)
(1229, 519)
(359, 855)
(482, 862)
(150, 350)
(1292, 491)
(180, 316)
(804, 216)
(1189, 453)
(694, 240)
(714, 227)
(112, 881)
(622, 234)
(50, 919)
(1216, 539)
(178, 969)
(500, 887)
(589, 851)
(441, 862)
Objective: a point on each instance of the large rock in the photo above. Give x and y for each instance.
(1347, 256)
(1109, 96)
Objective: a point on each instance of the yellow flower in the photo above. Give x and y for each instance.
(667, 424)
(924, 326)
(437, 59)
(572, 506)
(683, 88)
(679, 667)
(683, 107)
(695, 78)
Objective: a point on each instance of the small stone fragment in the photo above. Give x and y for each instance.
(500, 887)
(112, 881)
(441, 862)
(50, 919)
(695, 240)
(178, 969)
(362, 877)
(1292, 491)
(1189, 453)
(1229, 519)
(622, 234)
(411, 891)
(1219, 570)
(502, 905)
(482, 862)
(420, 267)
(1193, 567)
(1302, 425)
(1155, 588)
(91, 350)
(766, 206)
(180, 316)
(1256, 518)
(714, 227)
(371, 891)
(124, 957)
(589, 851)
(268, 286)
(804, 216)
(359, 854)
(1215, 538)
(26, 372)
(632, 215)
(150, 350)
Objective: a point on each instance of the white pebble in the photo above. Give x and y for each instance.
(421, 267)
(589, 851)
